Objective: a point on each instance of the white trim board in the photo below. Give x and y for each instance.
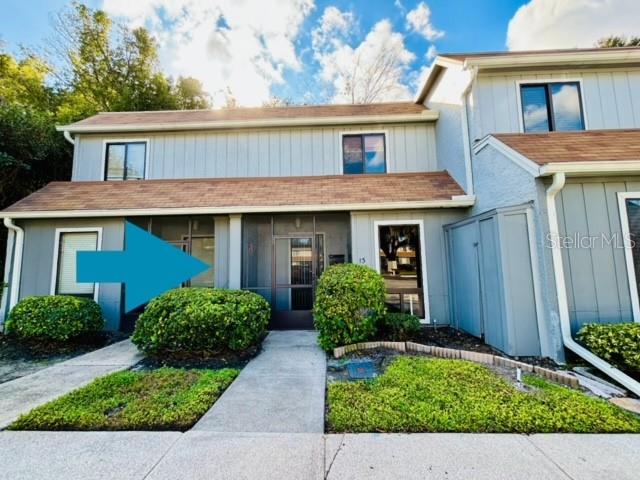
(56, 252)
(628, 251)
(423, 256)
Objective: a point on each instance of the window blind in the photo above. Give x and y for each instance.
(70, 243)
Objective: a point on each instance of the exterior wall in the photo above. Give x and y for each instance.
(363, 250)
(37, 260)
(446, 98)
(596, 277)
(263, 153)
(611, 98)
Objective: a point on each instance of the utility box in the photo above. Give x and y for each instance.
(492, 279)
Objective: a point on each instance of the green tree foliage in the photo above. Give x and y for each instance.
(618, 41)
(101, 66)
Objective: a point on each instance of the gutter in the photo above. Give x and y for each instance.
(17, 264)
(68, 137)
(456, 201)
(556, 186)
(425, 116)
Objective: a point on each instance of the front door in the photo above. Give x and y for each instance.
(298, 262)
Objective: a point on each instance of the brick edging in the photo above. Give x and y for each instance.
(484, 358)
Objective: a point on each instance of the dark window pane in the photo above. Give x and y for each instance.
(534, 108)
(203, 248)
(352, 153)
(135, 161)
(567, 113)
(115, 162)
(633, 215)
(374, 153)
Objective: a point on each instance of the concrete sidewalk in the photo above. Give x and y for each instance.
(211, 455)
(279, 391)
(22, 394)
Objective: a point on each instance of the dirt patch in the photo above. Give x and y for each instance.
(214, 360)
(18, 359)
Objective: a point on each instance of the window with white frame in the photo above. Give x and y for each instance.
(69, 243)
(125, 160)
(553, 106)
(364, 153)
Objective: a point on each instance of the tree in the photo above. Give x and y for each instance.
(618, 41)
(108, 67)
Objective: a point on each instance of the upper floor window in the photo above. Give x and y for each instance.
(550, 107)
(364, 153)
(125, 160)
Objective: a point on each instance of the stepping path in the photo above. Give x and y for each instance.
(22, 394)
(280, 391)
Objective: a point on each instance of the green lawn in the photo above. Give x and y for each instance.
(436, 395)
(163, 399)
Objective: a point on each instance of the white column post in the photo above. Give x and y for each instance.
(235, 250)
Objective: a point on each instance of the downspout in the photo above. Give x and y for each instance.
(5, 279)
(17, 261)
(466, 132)
(561, 292)
(68, 137)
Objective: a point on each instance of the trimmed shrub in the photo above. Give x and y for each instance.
(618, 343)
(399, 327)
(54, 318)
(350, 300)
(201, 321)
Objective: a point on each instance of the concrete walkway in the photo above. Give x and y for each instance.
(279, 391)
(210, 455)
(22, 394)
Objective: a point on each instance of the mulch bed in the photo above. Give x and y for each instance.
(20, 358)
(215, 360)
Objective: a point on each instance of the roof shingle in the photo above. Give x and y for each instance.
(262, 113)
(584, 146)
(234, 193)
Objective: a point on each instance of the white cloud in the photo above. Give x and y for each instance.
(543, 24)
(345, 67)
(419, 21)
(432, 52)
(226, 43)
(334, 27)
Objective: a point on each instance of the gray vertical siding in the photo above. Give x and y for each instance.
(611, 99)
(37, 260)
(264, 153)
(222, 252)
(596, 277)
(363, 250)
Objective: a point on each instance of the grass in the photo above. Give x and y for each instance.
(162, 399)
(437, 395)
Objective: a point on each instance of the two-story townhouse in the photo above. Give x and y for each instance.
(548, 143)
(269, 197)
(503, 201)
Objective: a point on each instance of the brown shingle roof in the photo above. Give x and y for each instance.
(237, 193)
(238, 114)
(585, 146)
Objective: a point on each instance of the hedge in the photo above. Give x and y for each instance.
(202, 320)
(58, 318)
(618, 343)
(350, 300)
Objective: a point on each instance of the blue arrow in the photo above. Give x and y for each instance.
(148, 266)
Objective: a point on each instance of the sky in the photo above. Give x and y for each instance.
(304, 50)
